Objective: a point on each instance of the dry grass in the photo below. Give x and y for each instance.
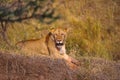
(94, 28)
(99, 69)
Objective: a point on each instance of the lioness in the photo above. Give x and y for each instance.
(52, 44)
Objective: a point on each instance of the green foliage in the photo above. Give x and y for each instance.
(5, 1)
(16, 11)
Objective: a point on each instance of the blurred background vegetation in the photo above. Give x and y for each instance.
(95, 24)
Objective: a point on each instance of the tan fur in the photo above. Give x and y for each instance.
(45, 45)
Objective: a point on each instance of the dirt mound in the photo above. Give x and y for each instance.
(17, 67)
(99, 69)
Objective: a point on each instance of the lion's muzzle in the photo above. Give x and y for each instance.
(59, 43)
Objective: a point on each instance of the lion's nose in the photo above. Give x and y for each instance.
(59, 41)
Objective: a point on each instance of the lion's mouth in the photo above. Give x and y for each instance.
(59, 45)
(60, 48)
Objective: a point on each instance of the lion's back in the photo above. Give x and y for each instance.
(33, 47)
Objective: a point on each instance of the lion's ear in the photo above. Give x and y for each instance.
(52, 29)
(67, 29)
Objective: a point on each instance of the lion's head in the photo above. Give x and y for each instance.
(59, 37)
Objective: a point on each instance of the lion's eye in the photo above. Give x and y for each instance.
(62, 34)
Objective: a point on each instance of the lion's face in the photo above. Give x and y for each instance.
(59, 37)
